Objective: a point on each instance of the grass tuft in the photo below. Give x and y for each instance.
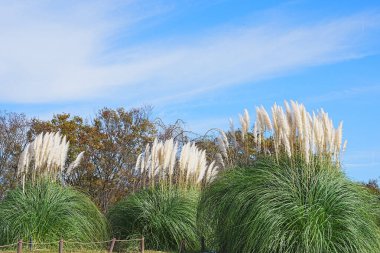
(275, 207)
(48, 212)
(164, 216)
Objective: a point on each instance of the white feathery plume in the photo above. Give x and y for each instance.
(75, 163)
(276, 118)
(233, 134)
(193, 159)
(244, 121)
(266, 119)
(201, 164)
(307, 143)
(255, 133)
(219, 159)
(61, 151)
(276, 129)
(221, 145)
(23, 182)
(48, 153)
(45, 150)
(36, 146)
(297, 118)
(288, 148)
(207, 172)
(144, 163)
(259, 121)
(283, 123)
(142, 167)
(246, 117)
(294, 131)
(202, 172)
(211, 173)
(338, 138)
(23, 161)
(344, 146)
(138, 164)
(27, 159)
(224, 138)
(243, 127)
(183, 158)
(173, 159)
(167, 152)
(189, 168)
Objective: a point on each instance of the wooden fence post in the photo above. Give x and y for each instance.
(30, 244)
(203, 244)
(60, 246)
(19, 246)
(142, 244)
(112, 245)
(182, 247)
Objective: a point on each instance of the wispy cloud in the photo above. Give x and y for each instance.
(362, 159)
(67, 55)
(362, 165)
(345, 93)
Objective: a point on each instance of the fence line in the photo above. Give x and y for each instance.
(42, 243)
(61, 243)
(8, 245)
(116, 240)
(77, 242)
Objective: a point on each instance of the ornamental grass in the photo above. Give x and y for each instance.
(47, 212)
(166, 217)
(283, 188)
(273, 206)
(163, 207)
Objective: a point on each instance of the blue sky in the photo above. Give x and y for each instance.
(201, 61)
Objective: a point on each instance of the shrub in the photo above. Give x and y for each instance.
(163, 216)
(282, 207)
(48, 212)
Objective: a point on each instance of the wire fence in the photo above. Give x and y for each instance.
(120, 246)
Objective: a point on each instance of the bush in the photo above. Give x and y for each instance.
(164, 217)
(48, 212)
(277, 207)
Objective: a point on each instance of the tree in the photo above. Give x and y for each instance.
(122, 137)
(13, 137)
(111, 141)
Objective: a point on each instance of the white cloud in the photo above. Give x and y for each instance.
(48, 55)
(361, 158)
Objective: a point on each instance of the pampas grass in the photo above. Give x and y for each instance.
(165, 217)
(274, 206)
(48, 212)
(290, 131)
(45, 157)
(41, 208)
(244, 121)
(163, 206)
(163, 163)
(289, 193)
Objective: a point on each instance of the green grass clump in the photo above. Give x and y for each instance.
(163, 216)
(47, 212)
(277, 207)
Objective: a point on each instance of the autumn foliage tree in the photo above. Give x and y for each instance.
(13, 129)
(111, 141)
